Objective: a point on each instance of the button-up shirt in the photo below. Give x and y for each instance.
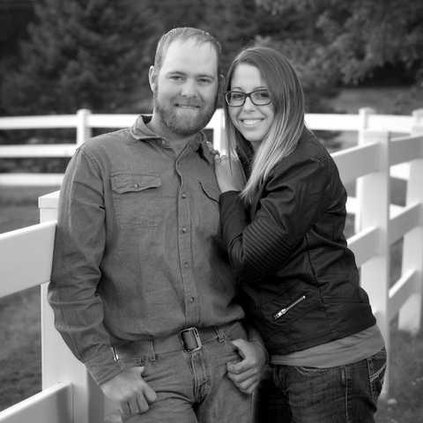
(137, 245)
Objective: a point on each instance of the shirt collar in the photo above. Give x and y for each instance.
(140, 131)
(204, 146)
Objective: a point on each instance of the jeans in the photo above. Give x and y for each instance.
(343, 394)
(192, 387)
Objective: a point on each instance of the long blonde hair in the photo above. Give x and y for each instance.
(287, 98)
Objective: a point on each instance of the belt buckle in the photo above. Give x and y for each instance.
(194, 332)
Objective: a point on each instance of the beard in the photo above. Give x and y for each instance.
(184, 121)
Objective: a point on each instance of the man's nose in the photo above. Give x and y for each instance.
(189, 88)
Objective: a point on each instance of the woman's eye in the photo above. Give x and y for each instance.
(237, 96)
(264, 95)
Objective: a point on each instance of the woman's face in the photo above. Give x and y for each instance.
(251, 120)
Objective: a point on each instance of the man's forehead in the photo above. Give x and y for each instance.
(188, 53)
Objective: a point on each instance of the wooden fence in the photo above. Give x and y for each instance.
(384, 142)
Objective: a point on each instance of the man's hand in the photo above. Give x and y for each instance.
(129, 391)
(247, 373)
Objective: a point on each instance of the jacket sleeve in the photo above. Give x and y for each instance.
(78, 251)
(292, 201)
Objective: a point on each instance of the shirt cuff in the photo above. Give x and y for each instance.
(103, 366)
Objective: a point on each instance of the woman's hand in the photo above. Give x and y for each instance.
(229, 174)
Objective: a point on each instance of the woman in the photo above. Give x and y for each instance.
(284, 234)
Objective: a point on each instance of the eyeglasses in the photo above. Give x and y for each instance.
(258, 98)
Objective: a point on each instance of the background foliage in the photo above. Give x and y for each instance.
(79, 55)
(96, 53)
(355, 39)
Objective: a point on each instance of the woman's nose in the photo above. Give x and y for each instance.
(248, 104)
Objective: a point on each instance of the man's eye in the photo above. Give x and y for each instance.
(205, 81)
(176, 78)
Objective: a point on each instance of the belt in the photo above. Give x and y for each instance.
(189, 340)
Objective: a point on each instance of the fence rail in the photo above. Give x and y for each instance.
(69, 395)
(51, 405)
(84, 121)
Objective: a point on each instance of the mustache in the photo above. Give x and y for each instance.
(188, 102)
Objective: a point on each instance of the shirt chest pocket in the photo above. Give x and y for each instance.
(136, 199)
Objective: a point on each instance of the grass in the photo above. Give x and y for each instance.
(20, 351)
(19, 206)
(404, 404)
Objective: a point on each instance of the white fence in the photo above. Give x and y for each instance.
(70, 396)
(83, 122)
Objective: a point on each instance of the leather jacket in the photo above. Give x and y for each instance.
(299, 282)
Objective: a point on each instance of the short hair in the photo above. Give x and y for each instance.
(184, 34)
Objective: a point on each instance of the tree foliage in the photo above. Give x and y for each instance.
(96, 53)
(234, 23)
(356, 37)
(81, 53)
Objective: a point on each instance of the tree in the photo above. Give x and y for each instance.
(233, 23)
(80, 54)
(357, 37)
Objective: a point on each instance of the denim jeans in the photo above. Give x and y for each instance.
(343, 394)
(193, 387)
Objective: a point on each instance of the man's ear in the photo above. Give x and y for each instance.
(152, 77)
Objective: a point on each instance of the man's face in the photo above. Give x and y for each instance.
(185, 87)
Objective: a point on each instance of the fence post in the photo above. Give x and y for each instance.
(410, 313)
(218, 124)
(417, 126)
(373, 203)
(364, 114)
(58, 363)
(223, 147)
(83, 129)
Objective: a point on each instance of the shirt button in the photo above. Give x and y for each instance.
(192, 299)
(183, 230)
(186, 264)
(184, 195)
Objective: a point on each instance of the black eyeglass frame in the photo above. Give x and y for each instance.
(247, 95)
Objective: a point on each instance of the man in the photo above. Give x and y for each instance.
(142, 294)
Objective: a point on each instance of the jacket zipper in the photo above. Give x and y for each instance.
(285, 310)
